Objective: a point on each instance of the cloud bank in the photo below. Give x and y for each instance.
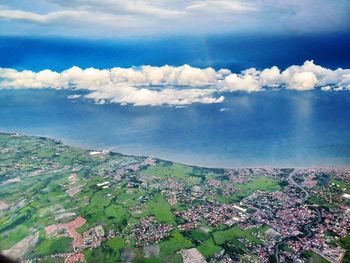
(175, 86)
(116, 18)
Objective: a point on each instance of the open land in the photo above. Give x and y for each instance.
(64, 204)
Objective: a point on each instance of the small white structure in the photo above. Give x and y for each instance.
(104, 184)
(240, 208)
(3, 205)
(95, 153)
(192, 255)
(347, 196)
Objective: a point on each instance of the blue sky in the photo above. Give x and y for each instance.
(123, 19)
(232, 34)
(174, 52)
(147, 73)
(232, 51)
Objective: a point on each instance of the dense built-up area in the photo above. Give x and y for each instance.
(65, 204)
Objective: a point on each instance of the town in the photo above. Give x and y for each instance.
(64, 204)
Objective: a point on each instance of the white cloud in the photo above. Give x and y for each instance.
(141, 97)
(239, 82)
(153, 8)
(302, 81)
(13, 14)
(271, 77)
(222, 6)
(310, 75)
(116, 17)
(176, 86)
(120, 18)
(168, 75)
(326, 88)
(146, 85)
(74, 96)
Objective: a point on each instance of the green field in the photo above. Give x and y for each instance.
(160, 208)
(116, 244)
(231, 234)
(314, 199)
(199, 234)
(16, 235)
(262, 183)
(52, 246)
(101, 255)
(117, 213)
(208, 248)
(35, 174)
(176, 242)
(164, 169)
(345, 243)
(314, 258)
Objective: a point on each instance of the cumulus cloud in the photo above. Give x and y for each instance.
(271, 77)
(309, 75)
(145, 85)
(175, 86)
(143, 97)
(236, 82)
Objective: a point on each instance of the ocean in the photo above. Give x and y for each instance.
(270, 128)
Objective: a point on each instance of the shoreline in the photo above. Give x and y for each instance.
(63, 141)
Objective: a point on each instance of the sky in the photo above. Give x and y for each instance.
(174, 53)
(175, 86)
(125, 19)
(254, 82)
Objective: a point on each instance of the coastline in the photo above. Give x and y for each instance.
(70, 144)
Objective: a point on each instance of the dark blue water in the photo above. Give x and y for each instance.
(235, 52)
(284, 128)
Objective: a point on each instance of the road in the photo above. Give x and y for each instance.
(291, 180)
(307, 227)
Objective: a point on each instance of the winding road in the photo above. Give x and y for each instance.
(307, 227)
(291, 180)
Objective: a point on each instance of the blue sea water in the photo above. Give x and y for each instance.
(282, 128)
(276, 128)
(235, 52)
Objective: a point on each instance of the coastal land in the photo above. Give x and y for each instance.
(65, 204)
